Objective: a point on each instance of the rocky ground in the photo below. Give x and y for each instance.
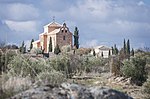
(71, 91)
(86, 87)
(118, 83)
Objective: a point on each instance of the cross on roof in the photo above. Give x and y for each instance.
(53, 18)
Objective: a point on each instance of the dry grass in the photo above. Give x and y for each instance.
(13, 85)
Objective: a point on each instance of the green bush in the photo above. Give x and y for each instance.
(36, 51)
(146, 89)
(57, 50)
(13, 85)
(27, 66)
(5, 58)
(135, 68)
(71, 64)
(82, 51)
(63, 64)
(115, 66)
(53, 78)
(66, 48)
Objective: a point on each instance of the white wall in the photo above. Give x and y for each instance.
(99, 53)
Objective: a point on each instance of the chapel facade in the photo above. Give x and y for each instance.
(58, 33)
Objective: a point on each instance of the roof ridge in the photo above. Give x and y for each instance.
(53, 23)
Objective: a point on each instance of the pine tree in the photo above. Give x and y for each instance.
(124, 47)
(128, 47)
(31, 45)
(50, 44)
(57, 50)
(76, 38)
(132, 52)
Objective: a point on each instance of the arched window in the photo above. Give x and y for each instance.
(64, 38)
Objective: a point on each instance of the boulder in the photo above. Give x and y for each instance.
(71, 91)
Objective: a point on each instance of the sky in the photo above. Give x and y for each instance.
(100, 22)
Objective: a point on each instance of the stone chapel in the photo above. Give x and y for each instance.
(58, 33)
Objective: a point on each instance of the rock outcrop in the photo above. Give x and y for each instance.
(70, 91)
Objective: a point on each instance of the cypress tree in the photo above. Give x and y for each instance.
(112, 50)
(102, 54)
(22, 44)
(76, 38)
(132, 52)
(22, 48)
(57, 50)
(109, 53)
(115, 50)
(94, 54)
(50, 44)
(128, 47)
(31, 45)
(124, 46)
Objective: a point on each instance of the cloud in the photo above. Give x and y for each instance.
(91, 43)
(57, 5)
(108, 10)
(19, 12)
(98, 20)
(112, 20)
(25, 26)
(140, 3)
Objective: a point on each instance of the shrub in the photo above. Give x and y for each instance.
(115, 66)
(66, 48)
(36, 51)
(146, 89)
(5, 58)
(12, 85)
(135, 68)
(1, 63)
(63, 64)
(25, 66)
(17, 84)
(71, 64)
(53, 78)
(57, 50)
(83, 51)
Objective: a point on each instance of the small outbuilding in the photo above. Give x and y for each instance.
(102, 51)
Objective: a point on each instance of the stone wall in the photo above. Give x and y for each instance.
(64, 39)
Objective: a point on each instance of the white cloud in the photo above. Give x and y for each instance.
(107, 11)
(25, 26)
(110, 15)
(140, 3)
(95, 11)
(19, 11)
(98, 20)
(91, 43)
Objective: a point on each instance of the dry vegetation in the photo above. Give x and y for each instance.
(21, 72)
